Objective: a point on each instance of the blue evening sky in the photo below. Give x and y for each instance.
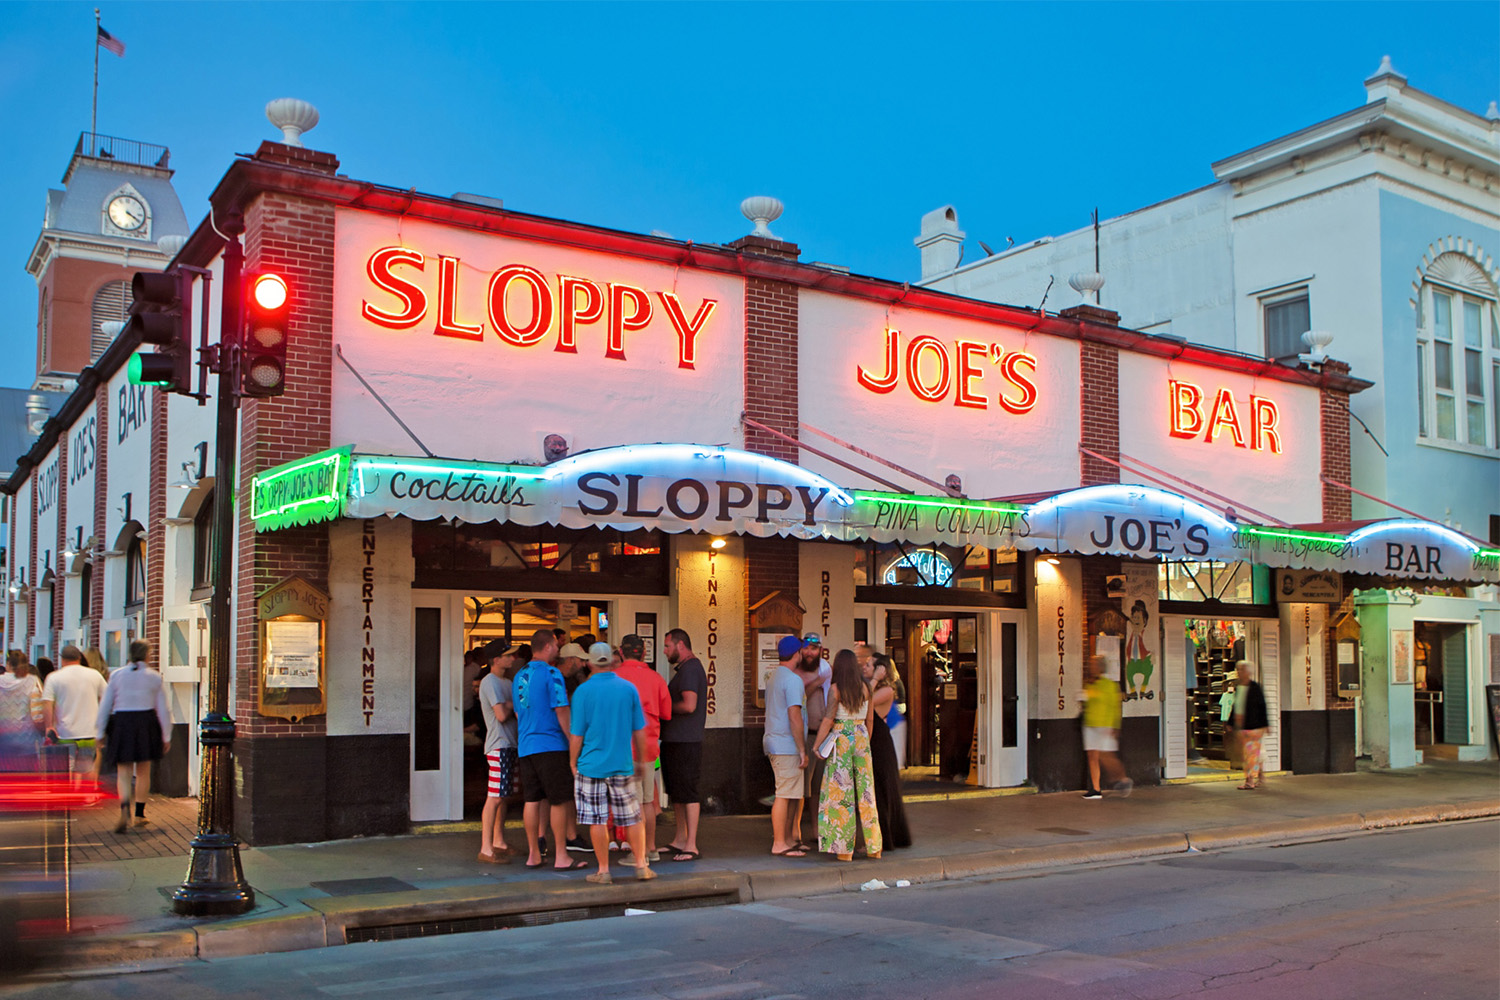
(859, 116)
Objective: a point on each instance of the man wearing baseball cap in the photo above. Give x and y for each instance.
(607, 734)
(785, 744)
(571, 664)
(817, 677)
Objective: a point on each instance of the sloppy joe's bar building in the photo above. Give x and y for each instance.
(496, 422)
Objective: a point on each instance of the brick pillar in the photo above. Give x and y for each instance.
(32, 578)
(156, 529)
(60, 575)
(1099, 401)
(293, 236)
(1334, 420)
(101, 510)
(771, 391)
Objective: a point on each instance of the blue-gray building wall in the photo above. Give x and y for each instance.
(1429, 479)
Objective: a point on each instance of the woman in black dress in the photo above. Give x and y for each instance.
(894, 831)
(135, 728)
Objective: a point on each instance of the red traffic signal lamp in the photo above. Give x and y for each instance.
(268, 306)
(158, 303)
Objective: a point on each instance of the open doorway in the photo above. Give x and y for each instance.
(1440, 675)
(492, 623)
(937, 654)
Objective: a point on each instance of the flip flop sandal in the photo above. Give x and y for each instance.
(574, 866)
(791, 852)
(539, 864)
(685, 856)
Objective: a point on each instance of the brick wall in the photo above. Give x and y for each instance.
(1099, 397)
(294, 237)
(771, 565)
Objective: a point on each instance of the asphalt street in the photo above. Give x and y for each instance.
(1404, 913)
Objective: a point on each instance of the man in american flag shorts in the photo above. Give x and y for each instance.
(607, 731)
(499, 753)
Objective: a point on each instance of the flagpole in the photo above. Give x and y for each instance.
(94, 113)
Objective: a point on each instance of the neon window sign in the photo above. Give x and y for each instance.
(930, 565)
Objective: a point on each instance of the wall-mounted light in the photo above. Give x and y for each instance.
(1053, 560)
(193, 472)
(717, 543)
(75, 548)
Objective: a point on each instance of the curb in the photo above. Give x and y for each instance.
(332, 919)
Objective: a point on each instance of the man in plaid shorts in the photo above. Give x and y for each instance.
(607, 732)
(500, 753)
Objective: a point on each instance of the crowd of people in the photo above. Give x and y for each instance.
(84, 718)
(592, 735)
(829, 738)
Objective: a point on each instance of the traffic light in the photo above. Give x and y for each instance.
(158, 300)
(268, 304)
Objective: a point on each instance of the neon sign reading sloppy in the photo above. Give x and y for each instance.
(933, 372)
(522, 306)
(1186, 417)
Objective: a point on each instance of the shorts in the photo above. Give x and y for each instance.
(601, 800)
(502, 772)
(1100, 738)
(547, 776)
(647, 784)
(680, 764)
(788, 775)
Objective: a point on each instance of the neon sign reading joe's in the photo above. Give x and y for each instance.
(523, 306)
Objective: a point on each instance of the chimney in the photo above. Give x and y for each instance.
(941, 242)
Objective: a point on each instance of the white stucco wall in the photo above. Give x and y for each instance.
(1283, 485)
(998, 453)
(488, 399)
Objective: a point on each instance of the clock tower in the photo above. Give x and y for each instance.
(109, 220)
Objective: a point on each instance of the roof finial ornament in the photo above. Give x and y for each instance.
(293, 117)
(762, 209)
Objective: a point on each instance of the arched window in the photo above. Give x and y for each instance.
(203, 544)
(1458, 353)
(135, 570)
(111, 303)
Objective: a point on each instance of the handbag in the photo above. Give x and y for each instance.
(825, 748)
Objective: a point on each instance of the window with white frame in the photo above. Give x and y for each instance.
(1286, 317)
(1458, 355)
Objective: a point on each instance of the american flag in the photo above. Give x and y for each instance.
(544, 555)
(111, 42)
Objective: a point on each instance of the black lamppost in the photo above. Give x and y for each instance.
(215, 882)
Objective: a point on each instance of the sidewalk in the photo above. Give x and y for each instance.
(324, 894)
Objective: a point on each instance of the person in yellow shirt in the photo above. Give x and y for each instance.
(1101, 728)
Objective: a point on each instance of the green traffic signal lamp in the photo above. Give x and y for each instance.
(158, 301)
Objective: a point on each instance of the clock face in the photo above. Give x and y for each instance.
(127, 212)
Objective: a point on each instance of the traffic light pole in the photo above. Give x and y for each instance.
(215, 882)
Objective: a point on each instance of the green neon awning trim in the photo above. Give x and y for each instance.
(306, 491)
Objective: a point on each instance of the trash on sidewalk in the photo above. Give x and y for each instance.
(902, 883)
(873, 884)
(631, 911)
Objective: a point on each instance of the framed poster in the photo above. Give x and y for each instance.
(1401, 646)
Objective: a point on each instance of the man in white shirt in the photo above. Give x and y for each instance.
(70, 708)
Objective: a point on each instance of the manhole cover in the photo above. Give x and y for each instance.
(360, 886)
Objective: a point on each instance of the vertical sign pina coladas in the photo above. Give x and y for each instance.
(523, 307)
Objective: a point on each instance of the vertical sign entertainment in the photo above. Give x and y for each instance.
(1062, 660)
(367, 595)
(1307, 650)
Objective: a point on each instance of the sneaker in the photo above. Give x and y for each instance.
(615, 845)
(1124, 786)
(580, 845)
(1093, 794)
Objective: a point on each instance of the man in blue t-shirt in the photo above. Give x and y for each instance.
(541, 701)
(608, 732)
(785, 744)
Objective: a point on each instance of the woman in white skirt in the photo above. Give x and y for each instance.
(134, 727)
